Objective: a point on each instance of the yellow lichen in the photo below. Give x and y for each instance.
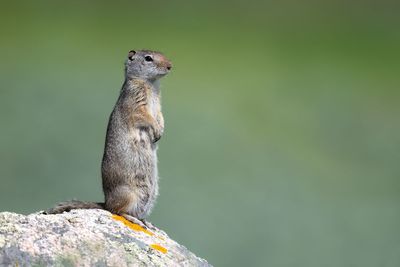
(159, 248)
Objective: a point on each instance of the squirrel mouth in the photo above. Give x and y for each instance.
(164, 71)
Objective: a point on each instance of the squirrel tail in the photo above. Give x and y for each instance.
(72, 205)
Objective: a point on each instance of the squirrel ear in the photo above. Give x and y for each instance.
(131, 54)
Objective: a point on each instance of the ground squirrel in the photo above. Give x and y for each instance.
(129, 165)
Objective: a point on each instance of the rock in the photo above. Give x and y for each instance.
(86, 238)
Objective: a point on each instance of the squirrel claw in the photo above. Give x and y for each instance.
(134, 220)
(156, 138)
(149, 225)
(143, 223)
(155, 135)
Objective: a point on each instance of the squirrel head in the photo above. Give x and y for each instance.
(146, 64)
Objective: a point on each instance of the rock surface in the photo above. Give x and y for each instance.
(86, 238)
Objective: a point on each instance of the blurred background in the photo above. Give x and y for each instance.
(282, 142)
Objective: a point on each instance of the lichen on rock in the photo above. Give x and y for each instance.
(86, 238)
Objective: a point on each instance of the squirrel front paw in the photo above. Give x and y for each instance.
(155, 134)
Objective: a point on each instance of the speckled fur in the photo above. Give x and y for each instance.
(129, 165)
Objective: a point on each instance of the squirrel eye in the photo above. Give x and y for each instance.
(148, 58)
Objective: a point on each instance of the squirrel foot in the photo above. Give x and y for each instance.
(149, 225)
(134, 220)
(143, 223)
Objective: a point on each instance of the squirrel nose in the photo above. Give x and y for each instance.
(169, 66)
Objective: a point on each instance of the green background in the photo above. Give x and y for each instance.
(282, 142)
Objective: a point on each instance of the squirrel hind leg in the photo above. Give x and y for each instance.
(120, 200)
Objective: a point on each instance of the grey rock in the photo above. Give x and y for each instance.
(86, 238)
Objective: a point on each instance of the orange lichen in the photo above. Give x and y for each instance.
(159, 248)
(131, 225)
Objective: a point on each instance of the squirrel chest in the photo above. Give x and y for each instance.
(153, 102)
